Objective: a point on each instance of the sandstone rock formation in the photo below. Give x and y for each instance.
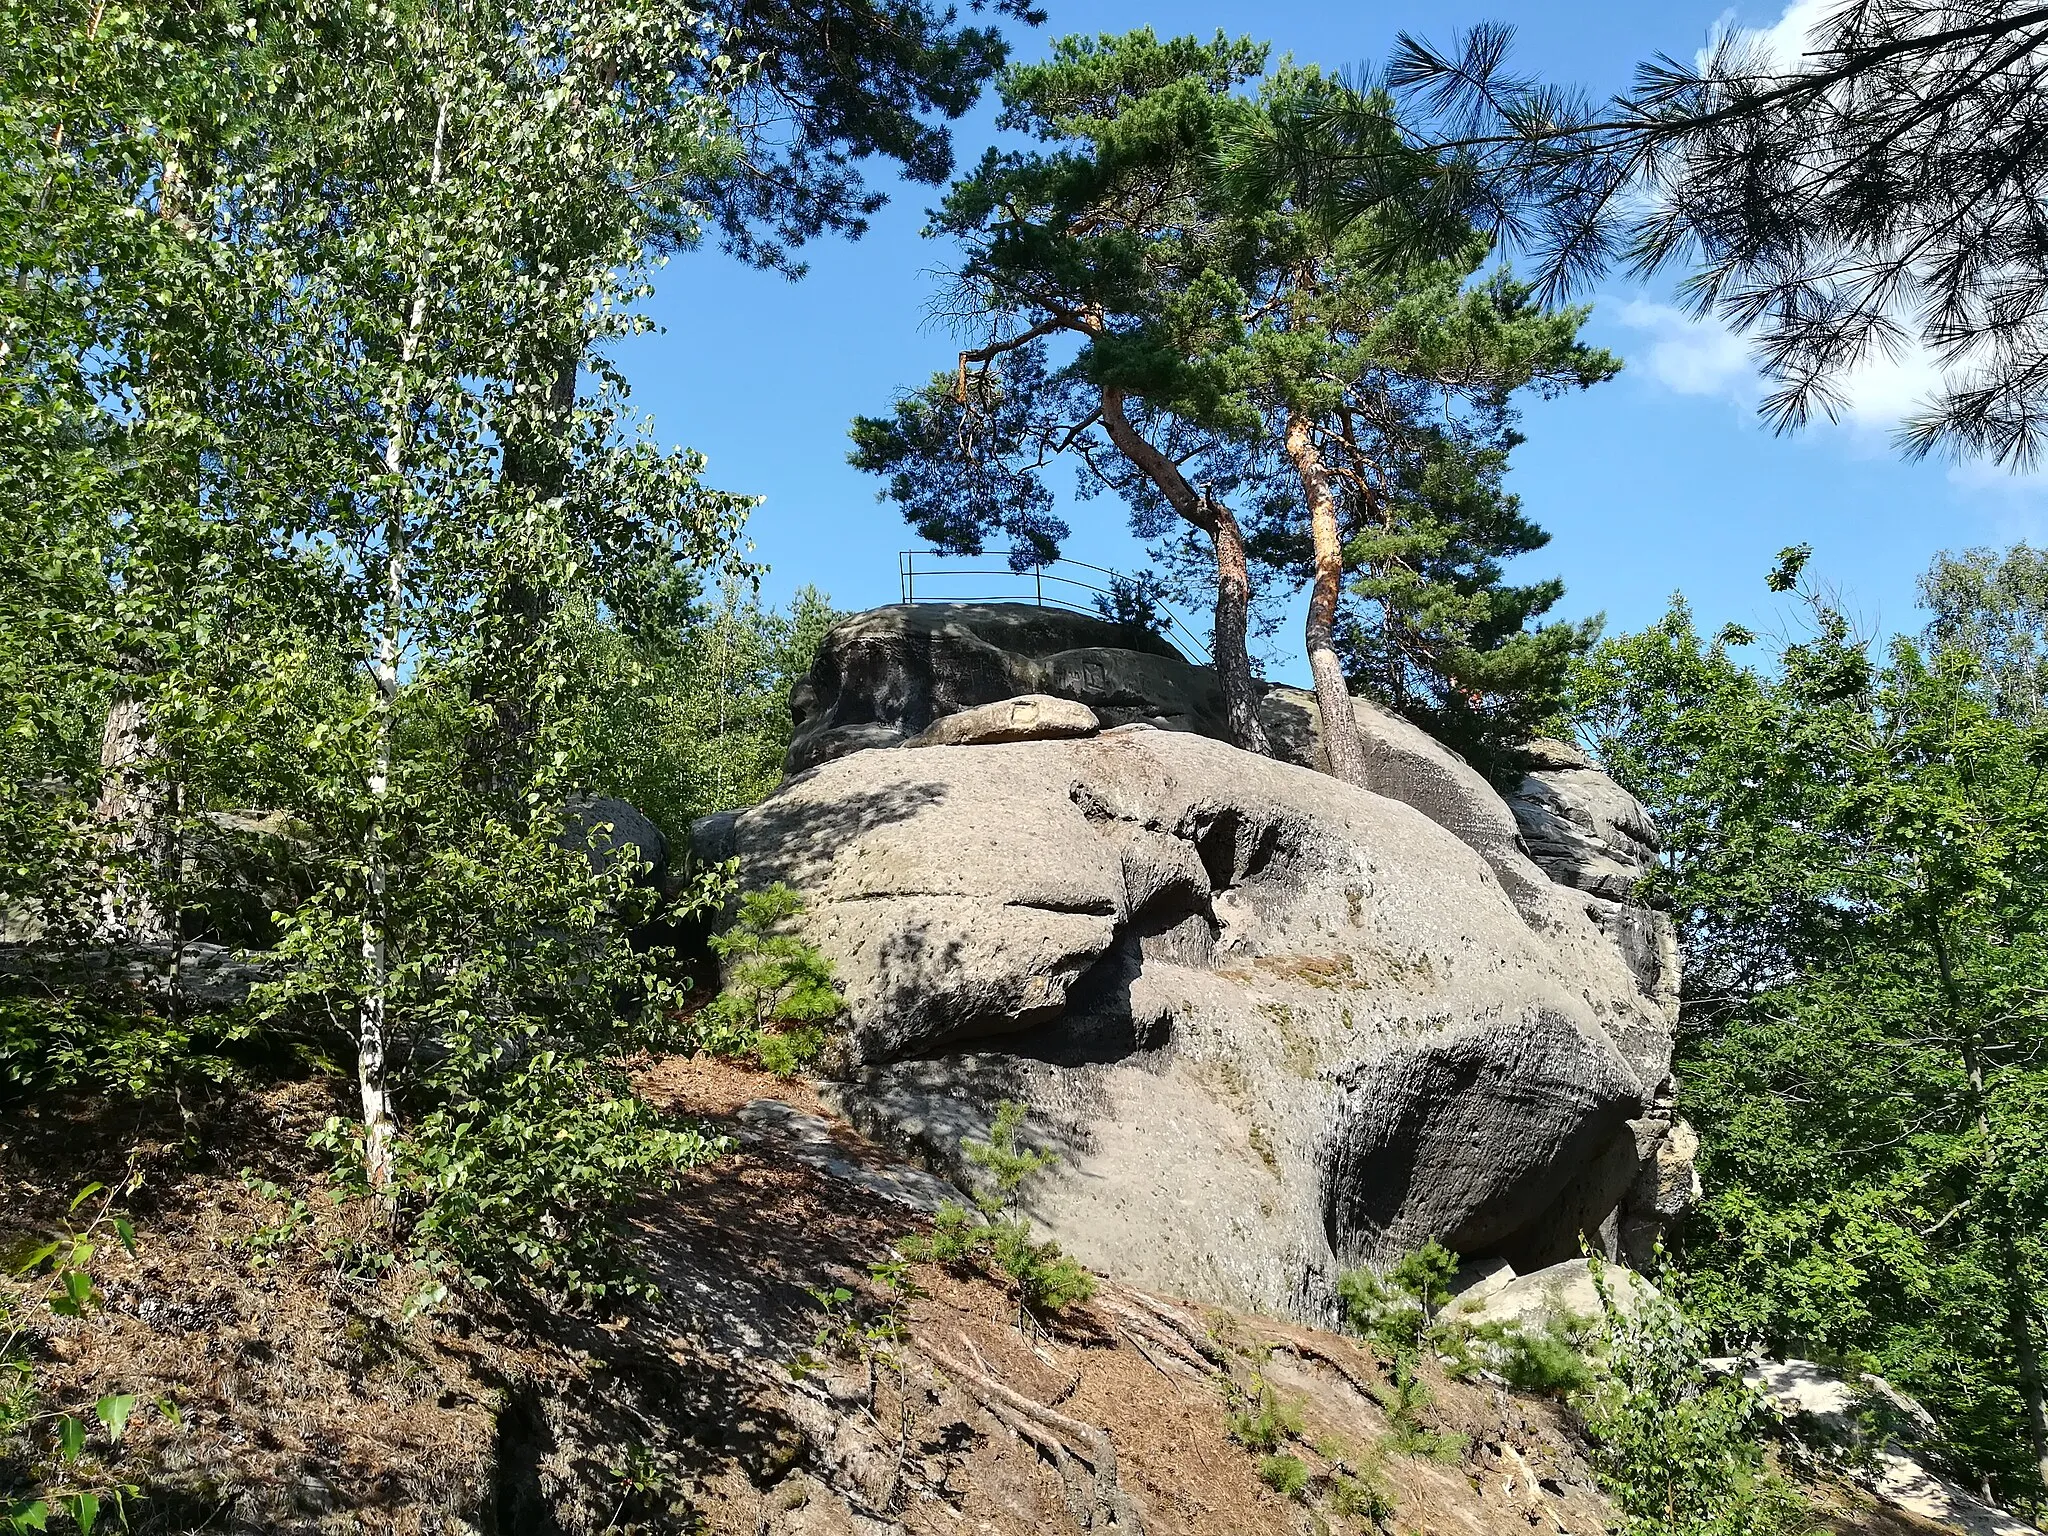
(1273, 1023)
(1561, 1292)
(605, 830)
(1589, 833)
(883, 676)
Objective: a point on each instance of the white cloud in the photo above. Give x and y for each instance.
(1784, 40)
(1787, 38)
(1688, 356)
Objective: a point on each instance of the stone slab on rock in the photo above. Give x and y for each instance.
(1562, 1293)
(1028, 717)
(1830, 1406)
(1273, 1024)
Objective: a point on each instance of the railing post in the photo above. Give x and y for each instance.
(1038, 575)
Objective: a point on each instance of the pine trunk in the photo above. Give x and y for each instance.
(1233, 610)
(1233, 573)
(1341, 747)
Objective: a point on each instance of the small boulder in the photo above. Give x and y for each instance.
(1562, 1292)
(608, 830)
(1029, 717)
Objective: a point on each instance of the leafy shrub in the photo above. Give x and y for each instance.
(1285, 1475)
(518, 1174)
(515, 992)
(57, 1461)
(778, 989)
(1676, 1446)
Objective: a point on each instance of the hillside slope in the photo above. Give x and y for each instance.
(312, 1397)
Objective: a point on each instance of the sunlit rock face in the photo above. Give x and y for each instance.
(1273, 1023)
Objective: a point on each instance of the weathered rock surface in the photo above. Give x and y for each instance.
(1587, 832)
(1029, 717)
(1274, 1024)
(884, 676)
(1580, 825)
(1881, 1430)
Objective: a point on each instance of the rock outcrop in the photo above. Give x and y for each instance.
(1878, 1437)
(884, 676)
(1274, 1024)
(891, 675)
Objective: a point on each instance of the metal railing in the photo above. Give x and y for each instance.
(1048, 586)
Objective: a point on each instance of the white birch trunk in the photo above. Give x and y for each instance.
(380, 1120)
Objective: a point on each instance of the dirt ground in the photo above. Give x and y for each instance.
(308, 1390)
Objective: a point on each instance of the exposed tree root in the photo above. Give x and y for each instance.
(1069, 1444)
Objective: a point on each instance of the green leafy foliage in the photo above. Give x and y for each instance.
(59, 1457)
(691, 717)
(1857, 858)
(320, 494)
(525, 991)
(1679, 1448)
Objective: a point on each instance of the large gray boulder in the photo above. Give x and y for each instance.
(1274, 1024)
(609, 832)
(1566, 1294)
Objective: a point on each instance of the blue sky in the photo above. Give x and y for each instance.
(1660, 481)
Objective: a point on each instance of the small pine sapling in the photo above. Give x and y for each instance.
(778, 990)
(1549, 1360)
(1401, 1310)
(1264, 1421)
(1039, 1275)
(1287, 1475)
